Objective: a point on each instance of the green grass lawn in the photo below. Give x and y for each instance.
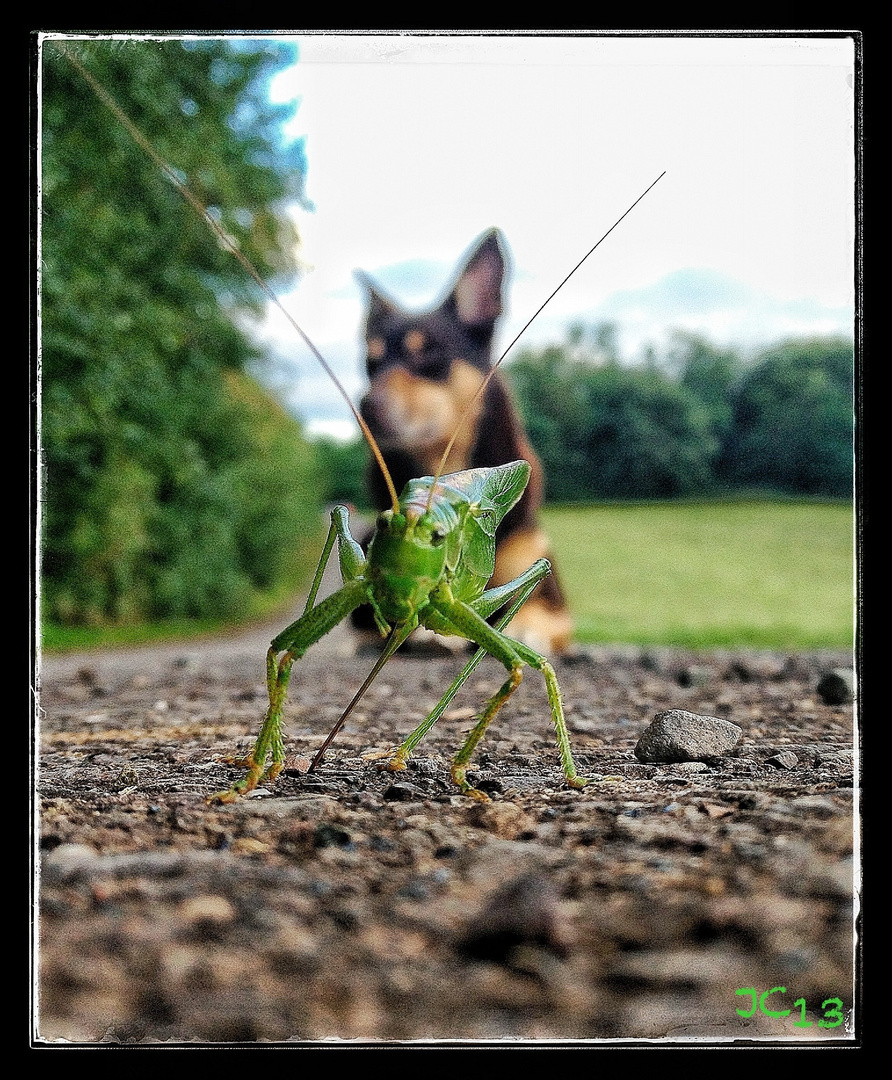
(749, 573)
(753, 573)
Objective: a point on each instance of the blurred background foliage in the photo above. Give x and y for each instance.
(694, 420)
(173, 486)
(697, 420)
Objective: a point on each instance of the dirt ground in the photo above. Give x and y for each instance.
(358, 904)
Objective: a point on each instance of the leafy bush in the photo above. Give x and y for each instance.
(343, 467)
(172, 485)
(698, 420)
(611, 431)
(794, 420)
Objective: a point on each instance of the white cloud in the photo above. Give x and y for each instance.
(417, 144)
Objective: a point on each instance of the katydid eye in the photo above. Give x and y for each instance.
(438, 535)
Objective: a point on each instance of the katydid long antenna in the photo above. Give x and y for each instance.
(482, 388)
(396, 637)
(400, 632)
(232, 247)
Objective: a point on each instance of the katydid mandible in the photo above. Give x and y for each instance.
(428, 564)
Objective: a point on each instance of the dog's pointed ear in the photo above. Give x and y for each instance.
(380, 306)
(477, 295)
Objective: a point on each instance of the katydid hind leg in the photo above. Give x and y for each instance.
(532, 659)
(541, 663)
(486, 605)
(287, 647)
(469, 623)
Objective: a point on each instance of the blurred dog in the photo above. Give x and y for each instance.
(424, 370)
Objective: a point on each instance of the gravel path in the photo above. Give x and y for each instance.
(358, 904)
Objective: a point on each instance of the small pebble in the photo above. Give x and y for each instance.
(837, 687)
(67, 861)
(207, 909)
(683, 736)
(327, 835)
(694, 675)
(501, 818)
(401, 793)
(785, 759)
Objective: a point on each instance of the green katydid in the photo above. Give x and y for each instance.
(428, 564)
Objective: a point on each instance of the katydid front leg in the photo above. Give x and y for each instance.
(292, 643)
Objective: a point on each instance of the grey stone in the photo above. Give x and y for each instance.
(677, 735)
(783, 759)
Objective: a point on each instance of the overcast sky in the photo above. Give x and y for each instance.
(415, 145)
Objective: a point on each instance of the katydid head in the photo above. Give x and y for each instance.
(410, 551)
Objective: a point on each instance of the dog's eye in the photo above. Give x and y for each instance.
(376, 348)
(376, 351)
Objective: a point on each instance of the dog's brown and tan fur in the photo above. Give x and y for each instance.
(424, 370)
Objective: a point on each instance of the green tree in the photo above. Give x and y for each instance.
(173, 485)
(794, 420)
(343, 467)
(648, 438)
(696, 418)
(709, 372)
(612, 431)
